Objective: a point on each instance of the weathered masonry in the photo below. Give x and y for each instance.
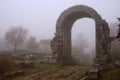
(61, 43)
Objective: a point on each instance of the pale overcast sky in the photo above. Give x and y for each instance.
(40, 16)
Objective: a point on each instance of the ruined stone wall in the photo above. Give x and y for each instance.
(61, 43)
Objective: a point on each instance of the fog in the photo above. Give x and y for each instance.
(86, 28)
(28, 27)
(40, 17)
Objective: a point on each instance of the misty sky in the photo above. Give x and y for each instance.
(40, 16)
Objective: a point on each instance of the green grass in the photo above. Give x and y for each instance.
(31, 70)
(51, 71)
(113, 74)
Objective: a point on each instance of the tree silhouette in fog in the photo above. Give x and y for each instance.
(32, 44)
(16, 36)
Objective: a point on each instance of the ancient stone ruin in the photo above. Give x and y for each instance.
(61, 43)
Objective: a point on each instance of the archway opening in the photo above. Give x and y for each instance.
(84, 41)
(61, 43)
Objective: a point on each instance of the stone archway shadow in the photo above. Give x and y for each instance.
(61, 43)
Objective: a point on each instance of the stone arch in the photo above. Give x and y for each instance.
(61, 43)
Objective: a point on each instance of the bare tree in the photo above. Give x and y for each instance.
(113, 28)
(115, 44)
(80, 43)
(78, 48)
(32, 44)
(16, 36)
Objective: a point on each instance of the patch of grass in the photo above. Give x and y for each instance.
(113, 74)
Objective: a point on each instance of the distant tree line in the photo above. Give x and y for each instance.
(17, 36)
